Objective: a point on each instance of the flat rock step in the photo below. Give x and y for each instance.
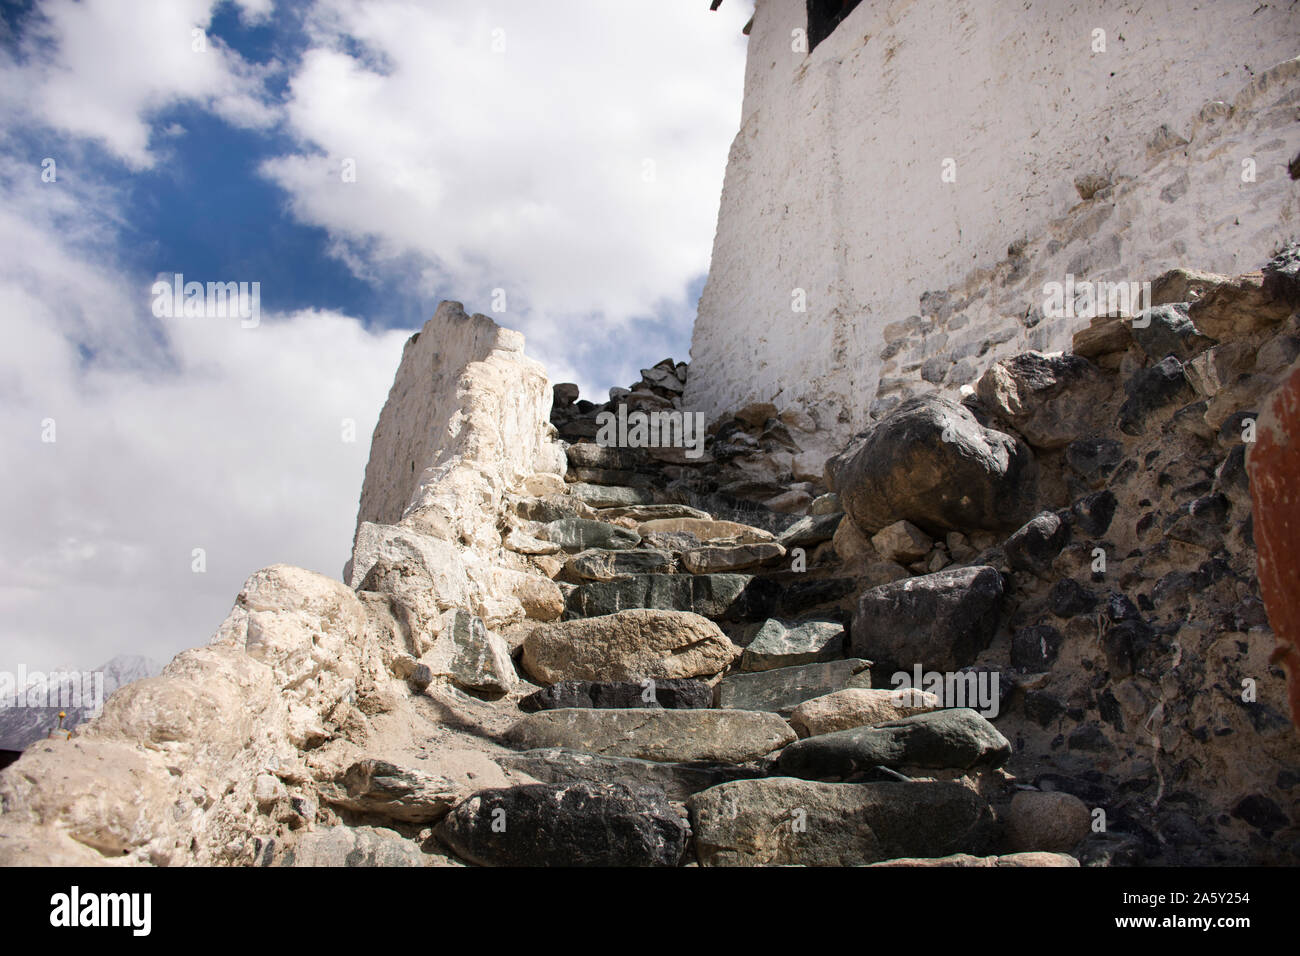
(630, 645)
(712, 595)
(958, 739)
(785, 688)
(609, 496)
(567, 824)
(730, 532)
(677, 780)
(667, 736)
(597, 564)
(752, 822)
(582, 534)
(720, 559)
(671, 693)
(656, 512)
(778, 644)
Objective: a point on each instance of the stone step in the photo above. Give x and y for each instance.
(778, 644)
(567, 824)
(721, 596)
(670, 693)
(609, 496)
(717, 559)
(748, 822)
(653, 512)
(956, 739)
(583, 534)
(783, 689)
(677, 780)
(591, 455)
(666, 736)
(728, 532)
(629, 645)
(597, 564)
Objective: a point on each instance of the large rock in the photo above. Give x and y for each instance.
(1053, 822)
(902, 542)
(674, 694)
(399, 793)
(783, 689)
(958, 739)
(471, 655)
(1050, 399)
(713, 559)
(858, 707)
(783, 821)
(677, 780)
(567, 824)
(1036, 544)
(1167, 330)
(349, 846)
(940, 621)
(597, 565)
(609, 496)
(670, 736)
(813, 529)
(712, 595)
(1149, 391)
(930, 462)
(627, 645)
(730, 532)
(778, 644)
(581, 534)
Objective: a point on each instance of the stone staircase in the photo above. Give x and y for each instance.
(699, 703)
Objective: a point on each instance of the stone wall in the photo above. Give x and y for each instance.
(834, 186)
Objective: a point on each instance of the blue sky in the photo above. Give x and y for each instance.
(570, 153)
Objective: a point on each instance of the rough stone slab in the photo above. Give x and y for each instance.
(966, 859)
(609, 496)
(778, 644)
(566, 824)
(813, 529)
(668, 736)
(627, 645)
(582, 534)
(677, 780)
(858, 707)
(599, 565)
(655, 512)
(940, 621)
(471, 655)
(673, 694)
(785, 688)
(712, 595)
(717, 559)
(957, 739)
(784, 821)
(399, 793)
(350, 846)
(730, 531)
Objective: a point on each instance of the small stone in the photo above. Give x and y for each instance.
(902, 542)
(1052, 822)
(858, 707)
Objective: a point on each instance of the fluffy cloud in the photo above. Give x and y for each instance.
(570, 153)
(98, 70)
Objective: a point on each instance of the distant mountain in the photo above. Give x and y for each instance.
(20, 727)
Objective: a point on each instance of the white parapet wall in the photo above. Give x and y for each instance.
(836, 191)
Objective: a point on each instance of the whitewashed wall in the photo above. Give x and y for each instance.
(834, 185)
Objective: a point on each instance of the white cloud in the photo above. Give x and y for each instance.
(100, 70)
(523, 168)
(192, 433)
